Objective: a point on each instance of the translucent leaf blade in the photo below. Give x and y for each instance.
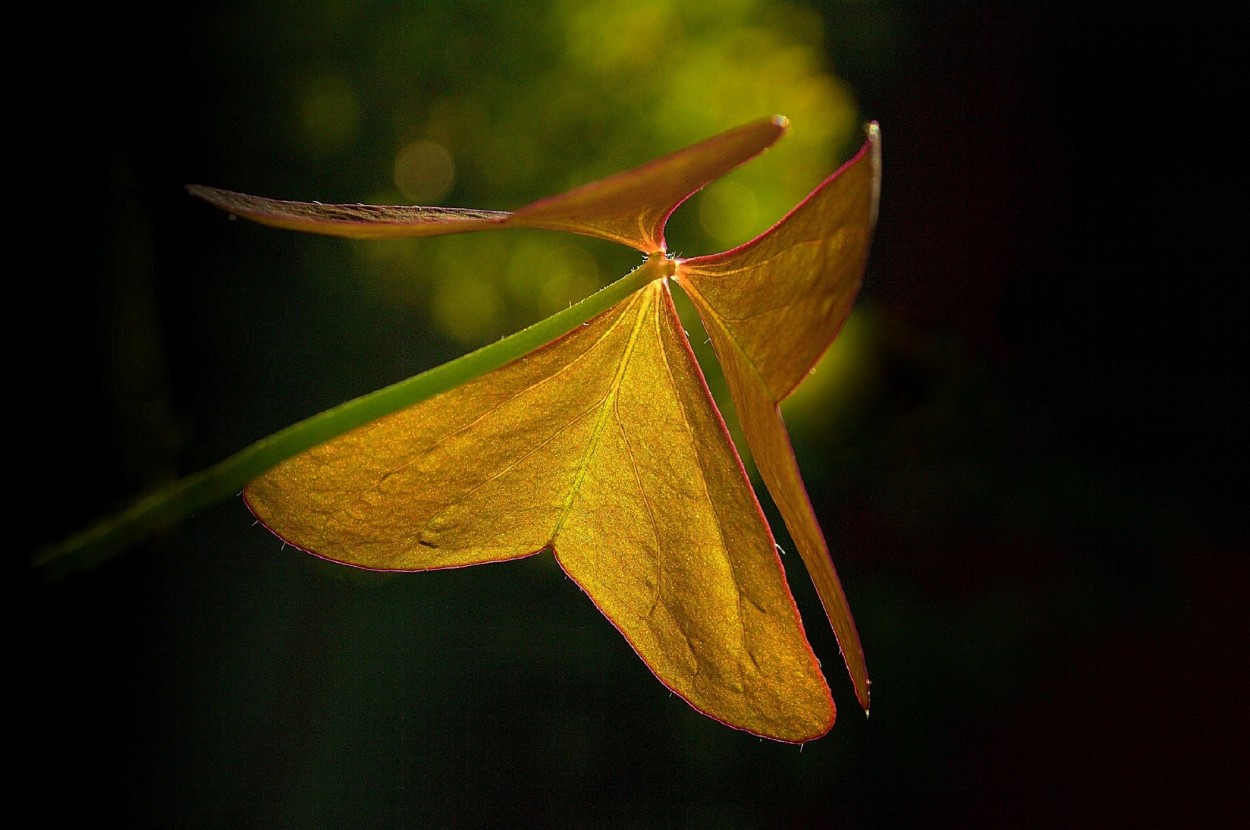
(771, 308)
(633, 207)
(604, 446)
(786, 293)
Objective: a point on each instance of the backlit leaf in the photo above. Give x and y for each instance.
(630, 207)
(592, 434)
(605, 447)
(771, 308)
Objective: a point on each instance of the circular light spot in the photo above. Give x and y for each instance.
(424, 171)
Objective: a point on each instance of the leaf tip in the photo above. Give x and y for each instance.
(214, 196)
(863, 692)
(873, 131)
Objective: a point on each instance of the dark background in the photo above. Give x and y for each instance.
(1036, 504)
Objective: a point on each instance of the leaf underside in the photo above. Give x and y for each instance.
(604, 445)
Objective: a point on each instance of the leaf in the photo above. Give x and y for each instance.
(771, 308)
(631, 207)
(672, 178)
(605, 447)
(593, 434)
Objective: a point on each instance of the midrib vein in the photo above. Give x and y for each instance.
(609, 402)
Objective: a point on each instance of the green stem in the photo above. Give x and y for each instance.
(170, 505)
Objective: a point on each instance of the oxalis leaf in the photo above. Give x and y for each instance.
(593, 435)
